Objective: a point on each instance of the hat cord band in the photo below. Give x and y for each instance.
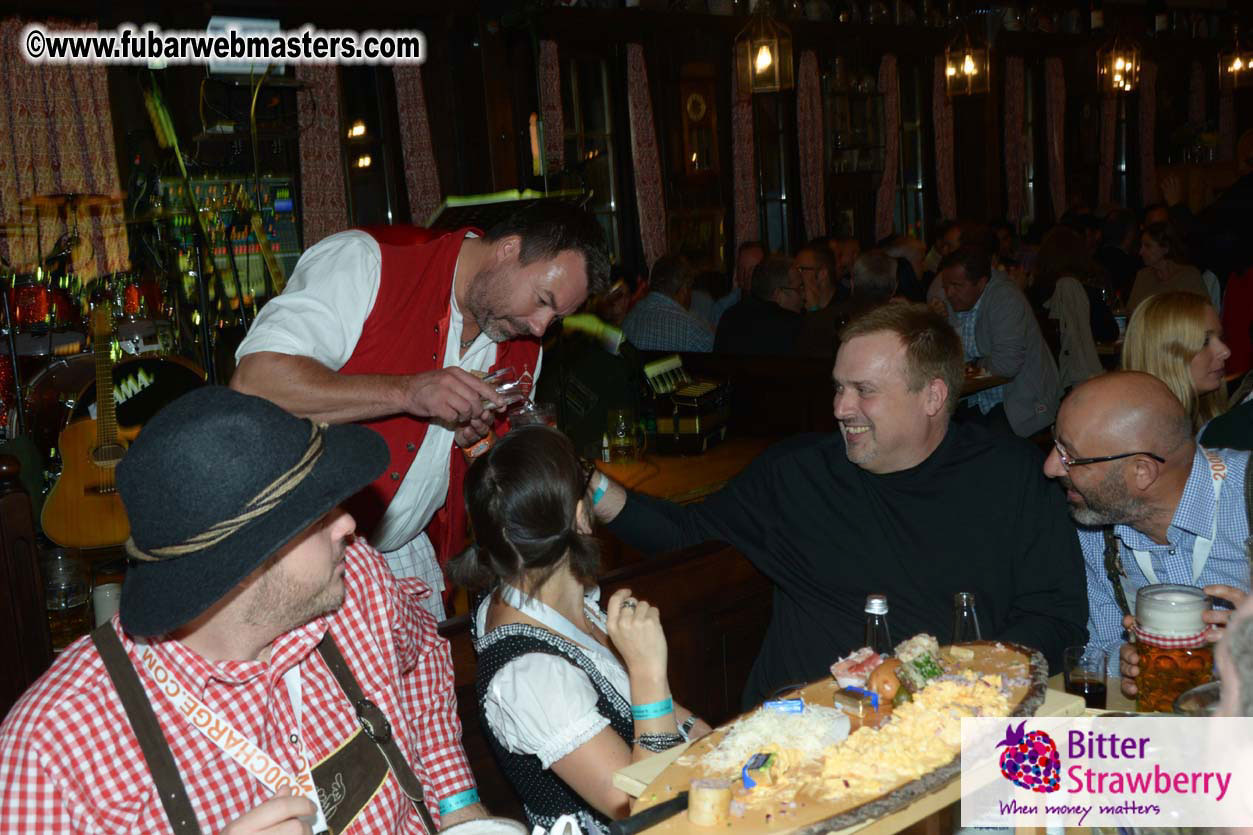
(261, 504)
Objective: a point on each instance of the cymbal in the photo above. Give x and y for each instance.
(55, 201)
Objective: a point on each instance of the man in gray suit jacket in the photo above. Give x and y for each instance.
(1001, 336)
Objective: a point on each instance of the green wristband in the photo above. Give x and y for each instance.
(458, 801)
(652, 710)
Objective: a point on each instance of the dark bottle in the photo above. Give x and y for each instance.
(965, 621)
(878, 638)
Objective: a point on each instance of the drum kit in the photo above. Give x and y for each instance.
(49, 376)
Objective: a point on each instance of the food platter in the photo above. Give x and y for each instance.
(812, 808)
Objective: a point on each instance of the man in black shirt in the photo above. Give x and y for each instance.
(766, 321)
(900, 501)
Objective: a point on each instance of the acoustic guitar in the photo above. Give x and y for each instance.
(84, 510)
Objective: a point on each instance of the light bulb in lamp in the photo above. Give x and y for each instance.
(968, 66)
(764, 59)
(950, 70)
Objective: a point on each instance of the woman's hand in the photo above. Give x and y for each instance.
(635, 629)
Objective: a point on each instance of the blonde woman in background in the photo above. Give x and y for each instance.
(1177, 337)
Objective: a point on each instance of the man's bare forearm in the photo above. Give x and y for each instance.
(305, 387)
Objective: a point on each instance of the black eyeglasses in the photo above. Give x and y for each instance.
(1068, 462)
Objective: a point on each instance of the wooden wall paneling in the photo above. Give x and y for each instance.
(969, 150)
(1045, 212)
(441, 90)
(498, 106)
(461, 103)
(28, 652)
(714, 606)
(931, 197)
(1083, 124)
(524, 96)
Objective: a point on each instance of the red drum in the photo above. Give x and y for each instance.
(64, 307)
(29, 303)
(66, 390)
(132, 300)
(153, 292)
(34, 351)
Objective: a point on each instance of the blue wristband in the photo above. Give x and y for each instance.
(652, 710)
(458, 801)
(601, 487)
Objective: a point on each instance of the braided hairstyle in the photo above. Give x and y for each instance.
(522, 496)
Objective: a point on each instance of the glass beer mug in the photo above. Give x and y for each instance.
(1170, 640)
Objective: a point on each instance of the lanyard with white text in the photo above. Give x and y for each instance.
(233, 743)
(1201, 547)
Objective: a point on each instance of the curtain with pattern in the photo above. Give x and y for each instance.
(324, 200)
(57, 131)
(650, 195)
(417, 149)
(812, 152)
(885, 201)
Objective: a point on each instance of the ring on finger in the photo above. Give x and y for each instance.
(630, 603)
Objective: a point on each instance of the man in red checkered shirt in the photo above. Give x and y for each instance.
(244, 587)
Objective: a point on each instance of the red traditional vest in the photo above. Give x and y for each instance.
(407, 333)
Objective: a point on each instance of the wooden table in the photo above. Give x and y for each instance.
(635, 778)
(686, 478)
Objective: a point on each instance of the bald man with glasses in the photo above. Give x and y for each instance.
(1152, 505)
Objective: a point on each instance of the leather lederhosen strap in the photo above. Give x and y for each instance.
(1113, 559)
(143, 721)
(160, 761)
(377, 728)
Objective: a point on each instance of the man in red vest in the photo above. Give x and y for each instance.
(394, 327)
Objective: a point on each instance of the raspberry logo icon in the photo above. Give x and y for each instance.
(1030, 760)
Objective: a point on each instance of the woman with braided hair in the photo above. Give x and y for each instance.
(568, 693)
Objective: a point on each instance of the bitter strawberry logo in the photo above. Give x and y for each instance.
(1030, 760)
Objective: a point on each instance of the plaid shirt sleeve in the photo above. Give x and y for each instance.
(1105, 630)
(427, 689)
(31, 800)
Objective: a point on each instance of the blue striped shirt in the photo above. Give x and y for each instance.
(966, 320)
(1228, 562)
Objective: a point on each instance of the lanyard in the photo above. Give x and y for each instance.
(1201, 547)
(233, 743)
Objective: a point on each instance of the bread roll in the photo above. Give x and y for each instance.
(884, 681)
(709, 802)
